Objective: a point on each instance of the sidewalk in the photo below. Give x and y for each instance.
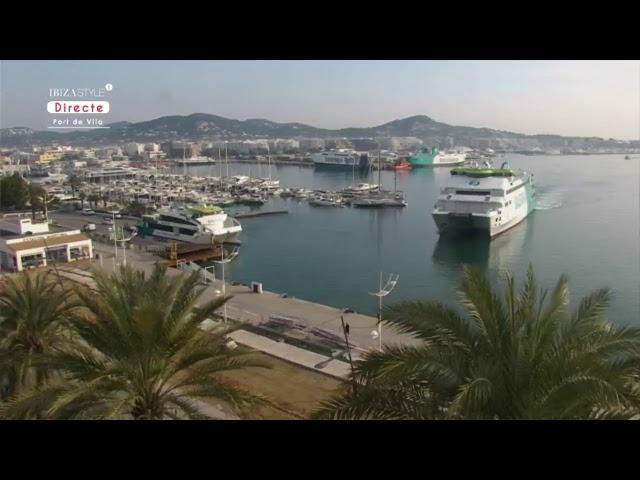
(299, 356)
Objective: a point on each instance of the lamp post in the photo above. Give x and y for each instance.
(222, 262)
(115, 239)
(383, 292)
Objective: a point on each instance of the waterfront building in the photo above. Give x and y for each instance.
(133, 149)
(311, 144)
(26, 244)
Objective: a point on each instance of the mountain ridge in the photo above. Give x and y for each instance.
(203, 126)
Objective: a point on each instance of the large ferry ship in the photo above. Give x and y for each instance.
(426, 157)
(484, 198)
(343, 158)
(199, 225)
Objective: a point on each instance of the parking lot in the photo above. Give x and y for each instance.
(77, 220)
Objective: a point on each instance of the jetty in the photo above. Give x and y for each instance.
(260, 214)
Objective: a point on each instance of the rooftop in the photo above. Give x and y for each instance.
(43, 241)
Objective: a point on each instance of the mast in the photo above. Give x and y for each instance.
(379, 172)
(395, 180)
(354, 172)
(226, 157)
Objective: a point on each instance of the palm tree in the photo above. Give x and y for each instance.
(140, 353)
(33, 311)
(93, 199)
(526, 357)
(36, 198)
(74, 182)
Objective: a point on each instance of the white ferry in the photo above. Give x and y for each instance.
(343, 158)
(484, 198)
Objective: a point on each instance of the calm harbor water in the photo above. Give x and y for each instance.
(586, 225)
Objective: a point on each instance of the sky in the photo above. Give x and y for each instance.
(575, 98)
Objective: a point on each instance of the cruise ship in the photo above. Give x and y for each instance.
(343, 158)
(426, 157)
(199, 225)
(487, 199)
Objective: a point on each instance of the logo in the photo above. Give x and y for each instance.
(78, 107)
(92, 103)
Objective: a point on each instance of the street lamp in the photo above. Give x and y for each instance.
(115, 239)
(222, 262)
(383, 292)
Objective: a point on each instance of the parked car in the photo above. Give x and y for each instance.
(89, 227)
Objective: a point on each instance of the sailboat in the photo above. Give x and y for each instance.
(381, 198)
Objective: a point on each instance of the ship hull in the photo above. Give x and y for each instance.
(338, 166)
(491, 224)
(203, 239)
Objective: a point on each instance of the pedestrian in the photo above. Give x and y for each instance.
(346, 329)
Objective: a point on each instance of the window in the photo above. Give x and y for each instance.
(164, 228)
(481, 193)
(166, 218)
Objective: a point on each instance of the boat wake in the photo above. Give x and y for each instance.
(549, 200)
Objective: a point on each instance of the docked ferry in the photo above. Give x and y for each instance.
(484, 198)
(343, 158)
(199, 225)
(426, 157)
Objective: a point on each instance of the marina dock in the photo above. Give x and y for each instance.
(261, 214)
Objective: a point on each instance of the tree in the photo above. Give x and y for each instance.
(139, 353)
(136, 209)
(526, 358)
(93, 199)
(33, 311)
(14, 192)
(36, 198)
(74, 182)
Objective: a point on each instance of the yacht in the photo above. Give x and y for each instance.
(199, 225)
(484, 198)
(381, 200)
(343, 159)
(360, 189)
(326, 201)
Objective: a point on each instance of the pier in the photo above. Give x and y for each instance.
(187, 253)
(261, 214)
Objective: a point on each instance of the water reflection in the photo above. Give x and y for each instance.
(475, 248)
(463, 248)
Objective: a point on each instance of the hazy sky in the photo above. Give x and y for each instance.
(582, 98)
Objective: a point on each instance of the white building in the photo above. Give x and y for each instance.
(18, 225)
(132, 149)
(311, 144)
(25, 244)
